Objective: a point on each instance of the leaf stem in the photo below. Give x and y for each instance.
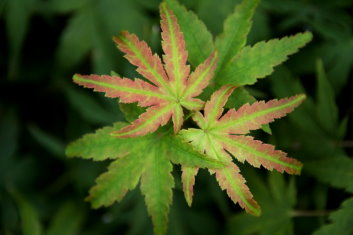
(345, 144)
(307, 213)
(189, 115)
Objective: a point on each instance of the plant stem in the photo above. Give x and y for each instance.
(307, 213)
(345, 144)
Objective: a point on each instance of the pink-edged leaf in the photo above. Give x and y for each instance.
(147, 122)
(139, 54)
(206, 143)
(192, 104)
(200, 120)
(200, 78)
(251, 117)
(175, 55)
(230, 179)
(245, 148)
(214, 107)
(177, 117)
(188, 178)
(127, 90)
(165, 91)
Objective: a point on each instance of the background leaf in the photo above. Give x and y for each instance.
(29, 216)
(44, 43)
(341, 220)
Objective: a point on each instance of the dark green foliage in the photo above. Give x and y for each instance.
(45, 42)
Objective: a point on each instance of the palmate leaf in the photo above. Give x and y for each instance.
(252, 63)
(141, 157)
(220, 137)
(236, 29)
(170, 87)
(147, 159)
(341, 220)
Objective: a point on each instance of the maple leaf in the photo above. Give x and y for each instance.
(140, 156)
(170, 87)
(221, 137)
(147, 159)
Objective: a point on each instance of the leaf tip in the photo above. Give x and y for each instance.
(308, 36)
(69, 152)
(300, 98)
(76, 77)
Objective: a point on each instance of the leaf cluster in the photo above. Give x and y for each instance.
(41, 110)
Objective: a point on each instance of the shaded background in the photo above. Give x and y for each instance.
(43, 42)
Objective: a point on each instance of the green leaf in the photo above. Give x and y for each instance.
(235, 30)
(258, 61)
(199, 42)
(327, 110)
(67, 220)
(122, 175)
(338, 57)
(188, 178)
(65, 6)
(241, 96)
(156, 185)
(101, 145)
(277, 198)
(29, 216)
(220, 137)
(147, 158)
(48, 141)
(9, 135)
(17, 17)
(341, 220)
(88, 107)
(336, 170)
(72, 48)
(184, 154)
(131, 111)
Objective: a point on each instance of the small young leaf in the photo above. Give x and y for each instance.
(219, 137)
(258, 61)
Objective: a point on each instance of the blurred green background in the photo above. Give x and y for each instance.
(43, 42)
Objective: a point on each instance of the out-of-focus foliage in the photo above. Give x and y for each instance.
(44, 42)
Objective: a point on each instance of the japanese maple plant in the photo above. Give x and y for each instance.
(144, 149)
